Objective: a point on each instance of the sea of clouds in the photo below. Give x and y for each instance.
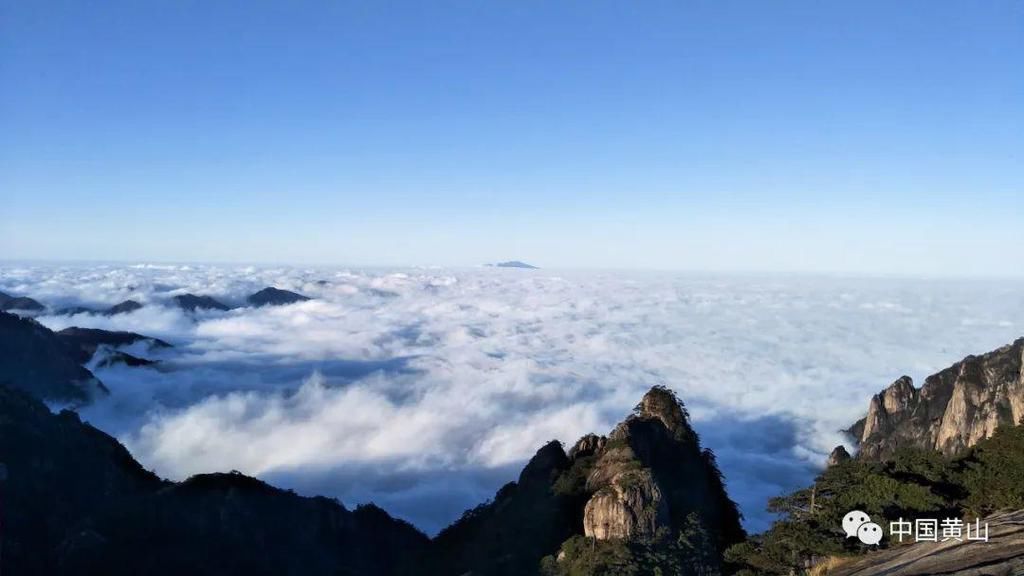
(425, 390)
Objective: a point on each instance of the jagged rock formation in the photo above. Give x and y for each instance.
(651, 473)
(274, 297)
(192, 302)
(629, 506)
(838, 456)
(8, 302)
(1002, 555)
(85, 341)
(954, 409)
(647, 479)
(34, 359)
(75, 502)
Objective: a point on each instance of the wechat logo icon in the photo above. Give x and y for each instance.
(858, 525)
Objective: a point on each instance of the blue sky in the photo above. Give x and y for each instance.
(873, 137)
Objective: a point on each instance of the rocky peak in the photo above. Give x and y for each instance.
(660, 417)
(587, 446)
(838, 456)
(661, 403)
(895, 402)
(953, 410)
(640, 482)
(900, 395)
(651, 473)
(544, 465)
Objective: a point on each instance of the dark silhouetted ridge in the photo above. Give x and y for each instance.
(85, 341)
(75, 502)
(191, 303)
(274, 297)
(8, 302)
(34, 359)
(122, 308)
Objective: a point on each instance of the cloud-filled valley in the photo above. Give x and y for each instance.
(425, 390)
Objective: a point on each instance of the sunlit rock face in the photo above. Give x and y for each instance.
(650, 473)
(630, 506)
(647, 479)
(952, 411)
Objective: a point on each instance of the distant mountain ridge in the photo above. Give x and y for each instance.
(274, 297)
(514, 264)
(188, 302)
(34, 359)
(192, 302)
(87, 340)
(8, 302)
(120, 308)
(49, 365)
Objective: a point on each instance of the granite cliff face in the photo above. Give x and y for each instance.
(650, 473)
(645, 482)
(952, 411)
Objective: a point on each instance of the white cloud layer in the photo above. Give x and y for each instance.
(425, 390)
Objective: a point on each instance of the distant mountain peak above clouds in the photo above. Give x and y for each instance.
(514, 264)
(193, 302)
(122, 308)
(271, 296)
(8, 302)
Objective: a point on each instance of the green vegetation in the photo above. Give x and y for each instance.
(993, 473)
(914, 484)
(689, 553)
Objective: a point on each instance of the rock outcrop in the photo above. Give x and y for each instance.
(650, 474)
(648, 479)
(35, 359)
(629, 506)
(838, 456)
(274, 297)
(1002, 555)
(952, 411)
